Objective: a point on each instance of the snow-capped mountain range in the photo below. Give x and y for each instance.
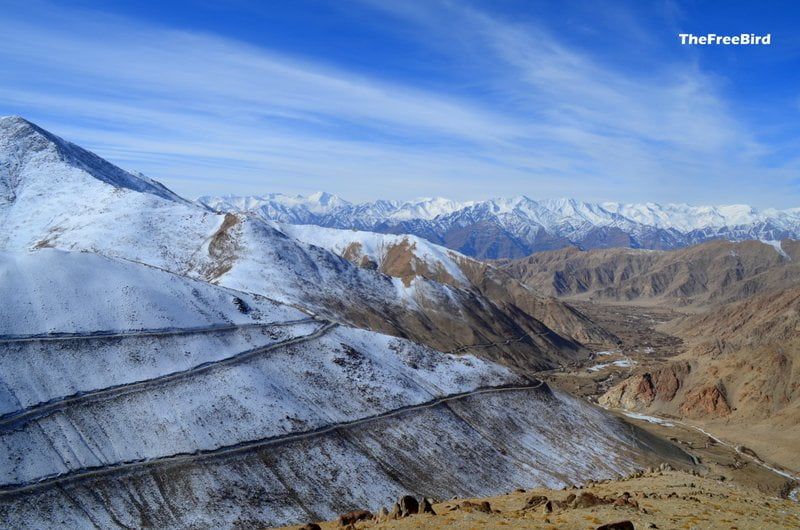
(518, 226)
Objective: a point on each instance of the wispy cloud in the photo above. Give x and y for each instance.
(209, 114)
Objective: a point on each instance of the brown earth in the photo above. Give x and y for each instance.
(712, 273)
(487, 282)
(667, 500)
(222, 248)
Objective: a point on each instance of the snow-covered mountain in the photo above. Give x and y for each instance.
(163, 365)
(54, 200)
(519, 226)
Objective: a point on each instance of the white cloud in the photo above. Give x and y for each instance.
(212, 115)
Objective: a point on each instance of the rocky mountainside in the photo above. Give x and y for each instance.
(740, 375)
(409, 257)
(711, 273)
(731, 312)
(162, 365)
(56, 201)
(519, 226)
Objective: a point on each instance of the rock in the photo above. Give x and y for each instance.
(478, 506)
(587, 500)
(395, 513)
(535, 501)
(665, 467)
(350, 518)
(549, 506)
(619, 525)
(408, 505)
(570, 498)
(310, 526)
(626, 500)
(747, 451)
(704, 402)
(425, 506)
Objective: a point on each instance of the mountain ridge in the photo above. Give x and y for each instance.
(23, 142)
(710, 273)
(519, 226)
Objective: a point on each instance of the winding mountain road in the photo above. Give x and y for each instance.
(667, 422)
(160, 332)
(252, 445)
(40, 410)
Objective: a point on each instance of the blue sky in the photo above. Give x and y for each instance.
(370, 99)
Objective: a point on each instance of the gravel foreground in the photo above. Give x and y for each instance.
(656, 499)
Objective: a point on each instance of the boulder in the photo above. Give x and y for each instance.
(382, 515)
(587, 499)
(408, 505)
(425, 506)
(478, 506)
(619, 525)
(535, 501)
(549, 506)
(349, 518)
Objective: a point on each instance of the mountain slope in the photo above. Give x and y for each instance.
(518, 226)
(710, 273)
(152, 397)
(55, 292)
(57, 204)
(409, 257)
(308, 429)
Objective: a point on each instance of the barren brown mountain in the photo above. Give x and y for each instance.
(735, 368)
(740, 375)
(711, 273)
(409, 258)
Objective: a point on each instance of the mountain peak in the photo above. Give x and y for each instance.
(326, 199)
(30, 153)
(6, 121)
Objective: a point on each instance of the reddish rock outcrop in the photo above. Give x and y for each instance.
(706, 401)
